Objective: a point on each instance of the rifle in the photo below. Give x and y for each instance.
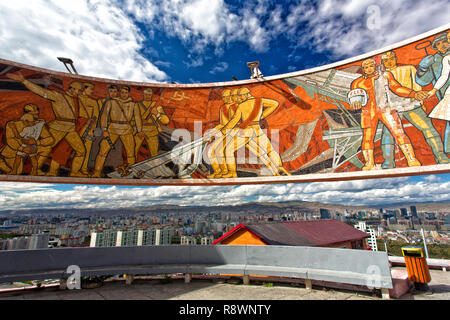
(98, 132)
(86, 134)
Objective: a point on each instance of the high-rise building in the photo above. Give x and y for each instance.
(206, 241)
(413, 211)
(403, 212)
(133, 237)
(127, 238)
(36, 241)
(163, 236)
(39, 241)
(430, 215)
(187, 240)
(324, 214)
(372, 241)
(19, 243)
(447, 219)
(107, 238)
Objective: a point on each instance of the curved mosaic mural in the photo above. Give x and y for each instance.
(386, 111)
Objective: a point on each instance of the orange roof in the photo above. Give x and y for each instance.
(300, 233)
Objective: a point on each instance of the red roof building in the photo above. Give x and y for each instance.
(312, 233)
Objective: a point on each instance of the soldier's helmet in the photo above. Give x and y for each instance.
(226, 96)
(88, 85)
(234, 95)
(148, 91)
(76, 85)
(244, 93)
(30, 107)
(226, 92)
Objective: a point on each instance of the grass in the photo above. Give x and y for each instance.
(435, 251)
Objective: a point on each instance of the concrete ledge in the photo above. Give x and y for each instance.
(400, 282)
(442, 264)
(322, 264)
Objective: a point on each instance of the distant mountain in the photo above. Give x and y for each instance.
(244, 207)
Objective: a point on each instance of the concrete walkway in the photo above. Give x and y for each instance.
(219, 290)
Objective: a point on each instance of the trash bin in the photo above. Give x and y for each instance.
(416, 265)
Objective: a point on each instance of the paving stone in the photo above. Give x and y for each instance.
(209, 290)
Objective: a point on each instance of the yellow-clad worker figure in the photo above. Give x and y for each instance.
(25, 137)
(120, 120)
(244, 129)
(153, 117)
(66, 109)
(216, 150)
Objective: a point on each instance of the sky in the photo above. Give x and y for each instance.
(203, 41)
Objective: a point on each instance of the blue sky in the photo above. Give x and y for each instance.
(202, 41)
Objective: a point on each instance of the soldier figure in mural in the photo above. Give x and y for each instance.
(112, 93)
(410, 109)
(85, 125)
(152, 118)
(121, 119)
(244, 129)
(27, 137)
(429, 71)
(66, 110)
(378, 108)
(89, 113)
(442, 109)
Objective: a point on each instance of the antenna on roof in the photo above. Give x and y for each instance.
(66, 62)
(254, 70)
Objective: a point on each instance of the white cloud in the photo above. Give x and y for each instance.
(104, 40)
(99, 37)
(336, 26)
(16, 196)
(203, 23)
(344, 28)
(219, 67)
(194, 61)
(432, 178)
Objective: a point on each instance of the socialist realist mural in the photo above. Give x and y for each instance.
(383, 112)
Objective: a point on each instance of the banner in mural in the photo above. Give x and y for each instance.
(384, 112)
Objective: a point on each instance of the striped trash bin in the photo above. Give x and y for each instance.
(416, 265)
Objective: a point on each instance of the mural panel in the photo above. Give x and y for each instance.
(387, 111)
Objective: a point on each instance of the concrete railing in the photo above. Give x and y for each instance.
(443, 264)
(356, 267)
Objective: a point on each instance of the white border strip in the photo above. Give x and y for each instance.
(306, 178)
